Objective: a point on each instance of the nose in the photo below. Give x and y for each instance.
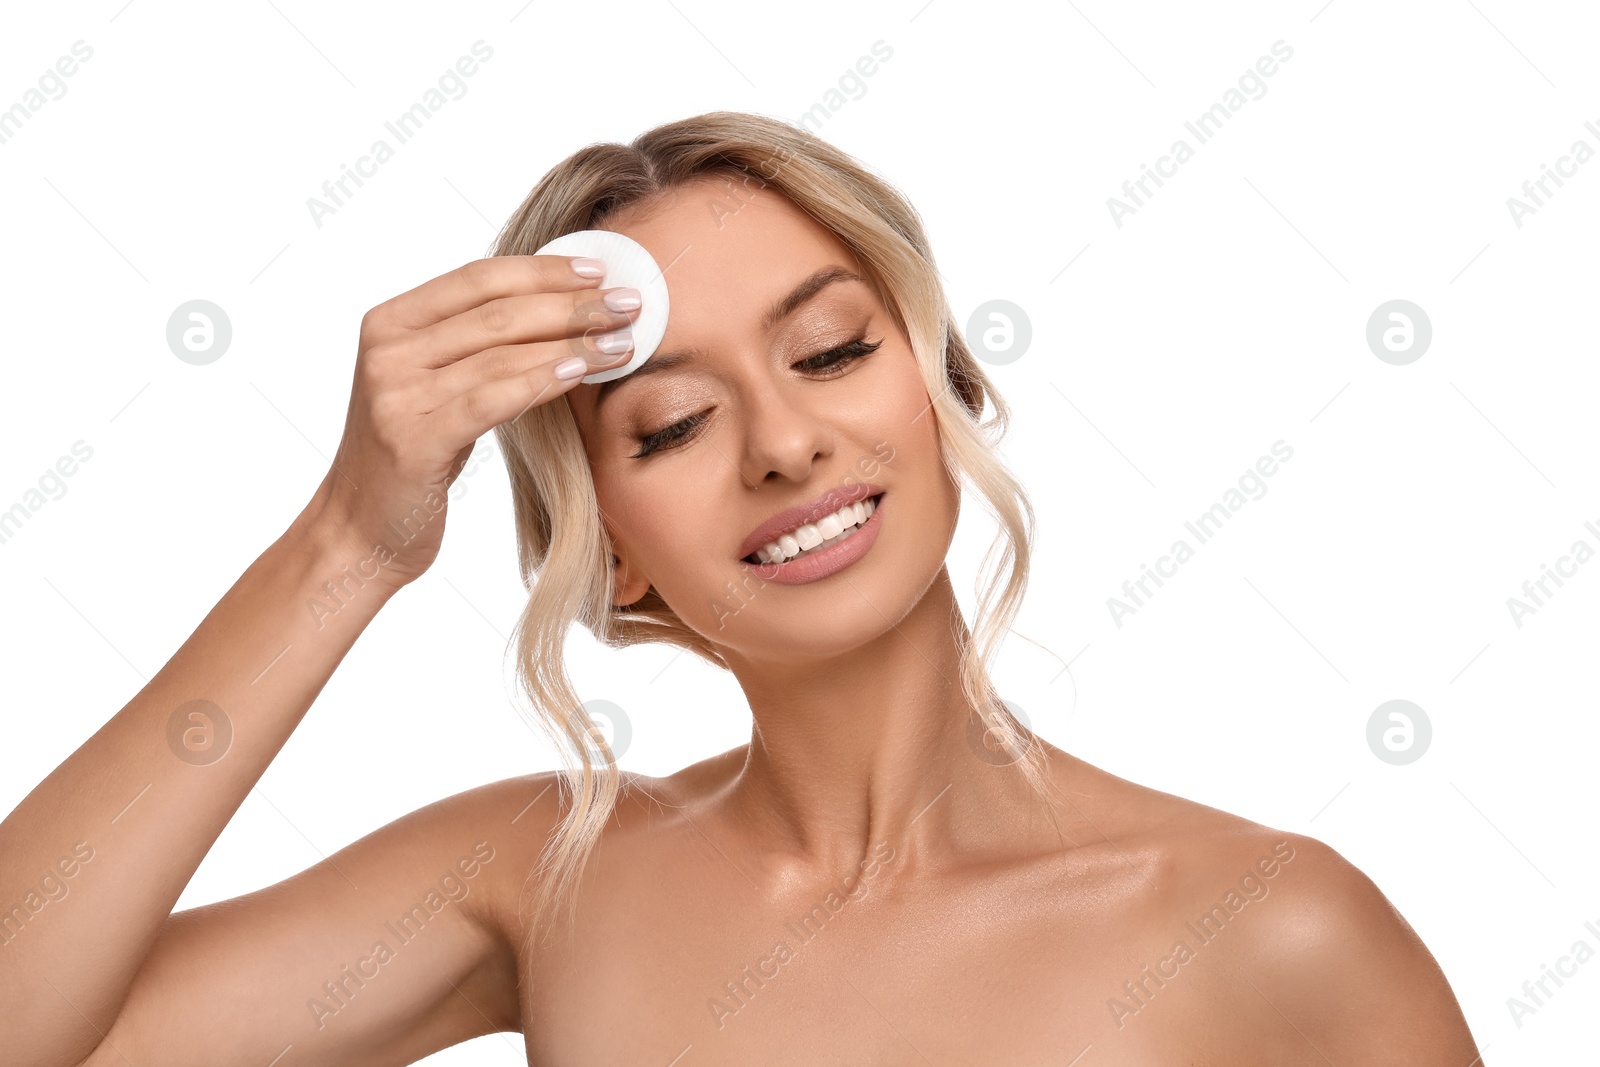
(785, 433)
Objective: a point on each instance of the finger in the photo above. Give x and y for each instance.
(506, 361)
(471, 285)
(512, 320)
(471, 414)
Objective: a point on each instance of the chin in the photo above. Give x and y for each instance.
(824, 619)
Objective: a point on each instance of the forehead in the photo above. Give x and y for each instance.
(726, 241)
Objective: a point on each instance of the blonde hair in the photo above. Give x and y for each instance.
(564, 549)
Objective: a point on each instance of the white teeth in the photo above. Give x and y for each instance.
(828, 530)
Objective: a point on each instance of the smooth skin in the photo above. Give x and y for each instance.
(856, 885)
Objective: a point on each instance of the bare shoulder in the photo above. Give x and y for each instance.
(515, 818)
(1176, 843)
(1334, 957)
(1304, 942)
(647, 802)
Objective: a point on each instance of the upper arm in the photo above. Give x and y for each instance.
(394, 947)
(1336, 961)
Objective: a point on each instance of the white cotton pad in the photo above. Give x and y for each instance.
(627, 263)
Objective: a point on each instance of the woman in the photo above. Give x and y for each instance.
(892, 871)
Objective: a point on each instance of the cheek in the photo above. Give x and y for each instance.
(638, 521)
(666, 529)
(907, 444)
(904, 417)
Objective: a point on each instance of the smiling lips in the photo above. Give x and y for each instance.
(807, 526)
(829, 530)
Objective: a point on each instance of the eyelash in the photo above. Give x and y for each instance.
(840, 357)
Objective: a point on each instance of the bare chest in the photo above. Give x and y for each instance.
(709, 972)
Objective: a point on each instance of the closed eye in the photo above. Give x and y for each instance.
(829, 364)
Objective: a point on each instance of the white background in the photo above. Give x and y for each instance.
(1227, 313)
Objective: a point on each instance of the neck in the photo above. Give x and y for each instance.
(875, 747)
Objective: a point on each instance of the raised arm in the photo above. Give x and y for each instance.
(97, 854)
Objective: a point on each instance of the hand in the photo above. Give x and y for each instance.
(436, 368)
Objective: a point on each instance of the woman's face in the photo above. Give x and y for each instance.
(753, 429)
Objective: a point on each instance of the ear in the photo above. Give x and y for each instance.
(627, 583)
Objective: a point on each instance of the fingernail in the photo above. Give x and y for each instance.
(589, 268)
(622, 299)
(572, 368)
(615, 341)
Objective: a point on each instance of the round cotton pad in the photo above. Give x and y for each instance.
(627, 263)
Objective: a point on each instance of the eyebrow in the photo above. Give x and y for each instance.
(780, 310)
